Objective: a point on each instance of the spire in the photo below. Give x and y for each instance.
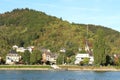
(86, 42)
(87, 49)
(87, 31)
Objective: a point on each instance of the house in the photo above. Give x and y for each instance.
(14, 47)
(116, 58)
(22, 49)
(63, 50)
(80, 57)
(30, 48)
(47, 56)
(12, 57)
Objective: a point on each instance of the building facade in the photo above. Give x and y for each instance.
(81, 56)
(12, 58)
(49, 57)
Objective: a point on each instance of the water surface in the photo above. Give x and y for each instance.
(57, 75)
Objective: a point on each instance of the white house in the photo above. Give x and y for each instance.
(12, 57)
(15, 47)
(30, 48)
(63, 50)
(80, 57)
(22, 49)
(91, 60)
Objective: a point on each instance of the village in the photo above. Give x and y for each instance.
(13, 58)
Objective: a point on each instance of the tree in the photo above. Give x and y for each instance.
(16, 28)
(35, 57)
(72, 59)
(68, 60)
(109, 60)
(61, 59)
(69, 53)
(26, 57)
(99, 49)
(86, 61)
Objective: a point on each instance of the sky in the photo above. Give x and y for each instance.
(98, 12)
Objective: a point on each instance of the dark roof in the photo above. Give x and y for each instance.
(51, 54)
(12, 52)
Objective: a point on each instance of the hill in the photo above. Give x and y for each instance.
(25, 27)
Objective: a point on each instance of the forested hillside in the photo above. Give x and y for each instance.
(26, 27)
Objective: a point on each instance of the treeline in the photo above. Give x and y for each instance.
(25, 27)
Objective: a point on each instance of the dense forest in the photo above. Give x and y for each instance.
(26, 27)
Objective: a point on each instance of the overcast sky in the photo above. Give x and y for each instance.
(99, 12)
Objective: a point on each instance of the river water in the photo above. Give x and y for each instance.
(57, 75)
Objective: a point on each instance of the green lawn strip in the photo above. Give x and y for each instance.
(61, 66)
(87, 67)
(24, 66)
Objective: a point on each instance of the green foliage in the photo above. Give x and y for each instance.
(82, 51)
(109, 60)
(26, 57)
(72, 59)
(61, 59)
(86, 61)
(25, 27)
(35, 57)
(99, 49)
(24, 66)
(69, 53)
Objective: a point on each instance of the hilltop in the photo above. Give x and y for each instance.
(25, 27)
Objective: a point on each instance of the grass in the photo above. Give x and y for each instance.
(69, 67)
(88, 67)
(24, 66)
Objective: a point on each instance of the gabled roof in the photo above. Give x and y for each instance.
(51, 54)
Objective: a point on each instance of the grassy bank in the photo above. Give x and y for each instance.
(67, 67)
(91, 68)
(24, 66)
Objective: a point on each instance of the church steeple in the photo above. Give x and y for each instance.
(87, 48)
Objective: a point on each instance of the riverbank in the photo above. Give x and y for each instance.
(63, 67)
(24, 67)
(92, 68)
(95, 69)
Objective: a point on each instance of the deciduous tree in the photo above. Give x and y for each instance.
(99, 49)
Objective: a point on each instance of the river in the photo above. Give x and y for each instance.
(57, 75)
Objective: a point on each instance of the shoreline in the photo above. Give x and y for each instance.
(69, 69)
(100, 70)
(63, 67)
(25, 69)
